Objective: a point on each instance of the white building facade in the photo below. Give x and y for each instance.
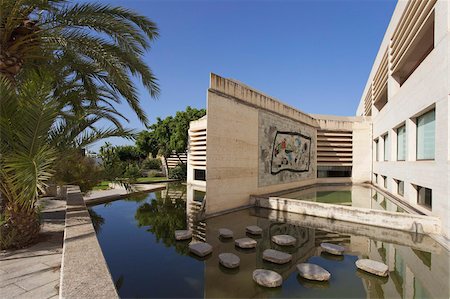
(407, 96)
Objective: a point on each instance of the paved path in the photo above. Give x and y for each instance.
(34, 272)
(112, 194)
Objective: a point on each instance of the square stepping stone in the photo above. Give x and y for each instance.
(313, 272)
(373, 267)
(183, 235)
(267, 278)
(332, 248)
(245, 243)
(254, 230)
(229, 260)
(277, 257)
(200, 249)
(284, 240)
(225, 233)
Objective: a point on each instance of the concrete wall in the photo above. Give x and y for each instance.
(241, 132)
(428, 87)
(275, 131)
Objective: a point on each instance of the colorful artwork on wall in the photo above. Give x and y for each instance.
(291, 151)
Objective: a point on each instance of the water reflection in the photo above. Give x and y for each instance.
(347, 195)
(145, 261)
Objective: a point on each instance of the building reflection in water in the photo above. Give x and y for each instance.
(419, 266)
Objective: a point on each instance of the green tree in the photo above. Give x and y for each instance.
(147, 143)
(112, 166)
(170, 135)
(179, 136)
(31, 122)
(90, 47)
(129, 153)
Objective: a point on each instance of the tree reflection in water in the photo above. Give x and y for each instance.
(97, 220)
(164, 215)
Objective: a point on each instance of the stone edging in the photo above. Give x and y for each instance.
(84, 272)
(400, 221)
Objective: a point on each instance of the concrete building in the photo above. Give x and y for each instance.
(398, 141)
(407, 97)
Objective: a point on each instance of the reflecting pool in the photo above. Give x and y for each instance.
(137, 238)
(360, 196)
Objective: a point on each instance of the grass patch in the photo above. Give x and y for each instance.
(148, 180)
(104, 185)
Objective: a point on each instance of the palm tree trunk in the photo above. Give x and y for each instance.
(20, 227)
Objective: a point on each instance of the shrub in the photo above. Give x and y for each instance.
(152, 163)
(179, 172)
(155, 174)
(75, 169)
(132, 171)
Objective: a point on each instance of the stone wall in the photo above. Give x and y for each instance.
(258, 145)
(287, 150)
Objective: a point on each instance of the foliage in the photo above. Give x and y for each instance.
(163, 216)
(36, 130)
(155, 174)
(147, 143)
(75, 169)
(132, 171)
(169, 135)
(152, 163)
(112, 166)
(129, 153)
(180, 128)
(179, 172)
(87, 45)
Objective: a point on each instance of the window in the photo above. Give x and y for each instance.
(386, 147)
(425, 138)
(377, 154)
(400, 187)
(424, 197)
(401, 143)
(384, 181)
(334, 171)
(376, 178)
(199, 174)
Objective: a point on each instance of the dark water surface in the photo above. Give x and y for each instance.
(137, 239)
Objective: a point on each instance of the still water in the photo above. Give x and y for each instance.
(137, 239)
(348, 195)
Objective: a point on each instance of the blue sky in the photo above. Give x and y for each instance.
(313, 55)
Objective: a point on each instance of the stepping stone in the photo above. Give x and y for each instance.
(245, 243)
(313, 272)
(332, 248)
(225, 233)
(277, 257)
(229, 260)
(373, 267)
(254, 230)
(267, 278)
(201, 249)
(183, 235)
(284, 240)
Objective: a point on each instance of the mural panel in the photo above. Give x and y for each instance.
(287, 150)
(291, 151)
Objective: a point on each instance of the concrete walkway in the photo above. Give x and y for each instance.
(98, 196)
(34, 272)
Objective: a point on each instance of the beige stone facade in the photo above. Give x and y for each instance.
(236, 146)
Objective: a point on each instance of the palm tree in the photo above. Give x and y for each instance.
(35, 129)
(87, 45)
